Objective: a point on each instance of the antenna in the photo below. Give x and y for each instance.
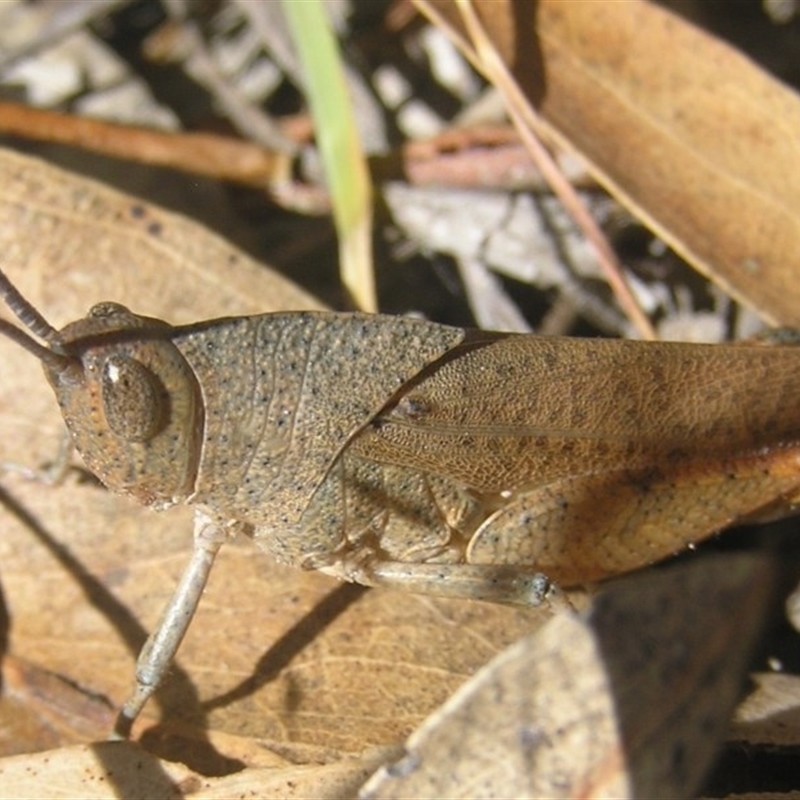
(36, 324)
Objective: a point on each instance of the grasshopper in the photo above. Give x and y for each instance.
(399, 452)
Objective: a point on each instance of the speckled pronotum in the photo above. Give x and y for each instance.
(397, 452)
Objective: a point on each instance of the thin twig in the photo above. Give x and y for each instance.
(220, 157)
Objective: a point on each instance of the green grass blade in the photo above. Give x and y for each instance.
(339, 145)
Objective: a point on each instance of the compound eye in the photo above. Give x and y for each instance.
(135, 401)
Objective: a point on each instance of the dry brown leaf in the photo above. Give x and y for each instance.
(94, 771)
(277, 660)
(124, 769)
(684, 129)
(630, 701)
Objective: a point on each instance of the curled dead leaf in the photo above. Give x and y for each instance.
(630, 700)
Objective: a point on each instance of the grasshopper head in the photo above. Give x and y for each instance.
(129, 398)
